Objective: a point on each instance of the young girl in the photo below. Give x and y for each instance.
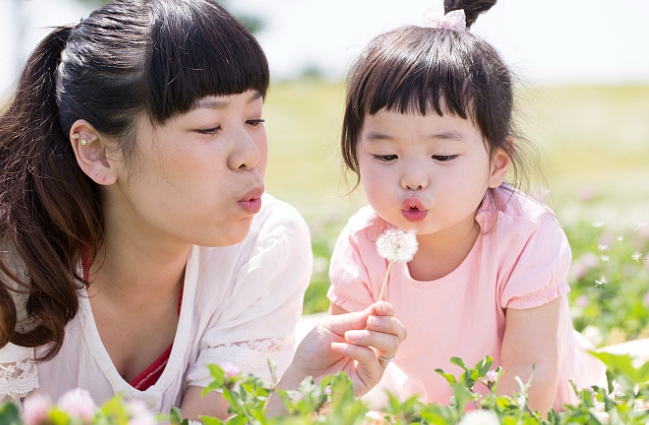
(137, 244)
(428, 130)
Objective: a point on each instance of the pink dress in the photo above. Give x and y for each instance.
(520, 260)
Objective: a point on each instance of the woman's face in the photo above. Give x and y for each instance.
(198, 179)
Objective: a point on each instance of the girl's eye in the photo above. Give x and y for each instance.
(256, 123)
(444, 158)
(209, 131)
(385, 158)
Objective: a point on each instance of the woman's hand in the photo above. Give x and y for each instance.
(351, 342)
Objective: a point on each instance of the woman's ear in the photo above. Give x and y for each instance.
(500, 163)
(90, 152)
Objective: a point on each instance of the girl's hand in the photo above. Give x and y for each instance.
(351, 342)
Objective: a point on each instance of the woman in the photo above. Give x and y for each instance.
(138, 243)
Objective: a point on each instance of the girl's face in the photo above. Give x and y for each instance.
(198, 178)
(427, 173)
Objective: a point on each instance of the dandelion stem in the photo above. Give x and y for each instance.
(385, 280)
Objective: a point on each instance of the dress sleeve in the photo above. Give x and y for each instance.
(263, 304)
(351, 284)
(18, 375)
(539, 274)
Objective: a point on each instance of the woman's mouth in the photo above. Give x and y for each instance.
(413, 210)
(251, 201)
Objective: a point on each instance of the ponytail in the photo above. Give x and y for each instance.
(49, 210)
(472, 8)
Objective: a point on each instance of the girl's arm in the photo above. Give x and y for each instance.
(530, 341)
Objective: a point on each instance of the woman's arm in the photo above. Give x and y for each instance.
(530, 341)
(211, 404)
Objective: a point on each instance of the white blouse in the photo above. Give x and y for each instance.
(240, 305)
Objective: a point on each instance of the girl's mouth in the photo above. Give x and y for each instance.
(413, 210)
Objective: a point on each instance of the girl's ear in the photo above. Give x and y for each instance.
(90, 152)
(500, 163)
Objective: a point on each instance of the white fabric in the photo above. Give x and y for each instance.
(240, 304)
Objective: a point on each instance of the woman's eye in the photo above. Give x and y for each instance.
(209, 131)
(444, 158)
(385, 158)
(256, 123)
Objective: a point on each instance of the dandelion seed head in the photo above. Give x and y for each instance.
(397, 245)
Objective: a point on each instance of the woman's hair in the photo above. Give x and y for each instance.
(421, 70)
(130, 58)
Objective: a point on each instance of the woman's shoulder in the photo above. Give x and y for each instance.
(18, 373)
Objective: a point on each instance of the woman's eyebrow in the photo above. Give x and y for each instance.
(220, 103)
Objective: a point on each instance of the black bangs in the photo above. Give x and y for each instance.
(196, 51)
(432, 77)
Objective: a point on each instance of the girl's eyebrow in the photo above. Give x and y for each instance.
(220, 103)
(375, 136)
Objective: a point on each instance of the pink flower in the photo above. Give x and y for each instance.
(36, 409)
(139, 414)
(491, 376)
(230, 370)
(78, 403)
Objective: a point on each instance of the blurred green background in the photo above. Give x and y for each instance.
(593, 144)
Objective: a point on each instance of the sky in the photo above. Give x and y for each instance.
(544, 41)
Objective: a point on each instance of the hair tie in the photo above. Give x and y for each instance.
(454, 20)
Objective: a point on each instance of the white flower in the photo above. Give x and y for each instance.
(636, 256)
(397, 245)
(480, 417)
(601, 281)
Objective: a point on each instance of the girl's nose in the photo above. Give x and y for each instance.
(414, 179)
(245, 154)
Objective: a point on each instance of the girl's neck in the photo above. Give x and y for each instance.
(442, 252)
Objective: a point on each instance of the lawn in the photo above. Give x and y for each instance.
(593, 143)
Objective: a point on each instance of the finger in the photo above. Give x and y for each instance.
(380, 308)
(365, 357)
(341, 323)
(388, 325)
(368, 370)
(385, 345)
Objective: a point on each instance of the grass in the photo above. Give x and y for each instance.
(593, 144)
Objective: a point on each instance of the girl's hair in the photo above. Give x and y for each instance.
(130, 58)
(420, 70)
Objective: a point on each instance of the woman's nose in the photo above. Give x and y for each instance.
(245, 154)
